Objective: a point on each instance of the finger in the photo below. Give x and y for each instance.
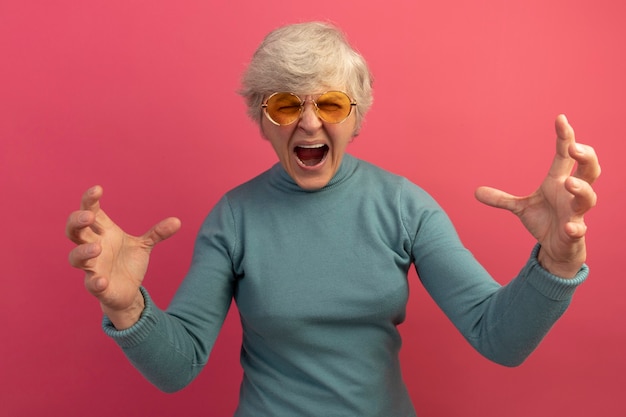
(77, 223)
(585, 197)
(81, 256)
(79, 220)
(576, 230)
(496, 198)
(588, 168)
(162, 230)
(84, 257)
(91, 199)
(91, 202)
(562, 163)
(96, 284)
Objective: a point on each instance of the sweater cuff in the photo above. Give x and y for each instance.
(550, 285)
(139, 331)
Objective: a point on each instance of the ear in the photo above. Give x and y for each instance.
(261, 130)
(357, 129)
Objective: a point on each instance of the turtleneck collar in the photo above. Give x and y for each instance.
(280, 179)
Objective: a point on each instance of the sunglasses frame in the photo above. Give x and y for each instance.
(264, 106)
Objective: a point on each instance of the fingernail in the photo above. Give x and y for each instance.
(580, 148)
(83, 217)
(92, 249)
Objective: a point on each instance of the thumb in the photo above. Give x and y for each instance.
(495, 198)
(162, 230)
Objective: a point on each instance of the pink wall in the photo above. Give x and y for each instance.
(140, 97)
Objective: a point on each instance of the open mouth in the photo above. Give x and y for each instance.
(311, 155)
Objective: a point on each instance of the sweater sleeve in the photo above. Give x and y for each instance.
(503, 323)
(171, 347)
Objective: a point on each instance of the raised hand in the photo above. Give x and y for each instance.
(554, 213)
(114, 262)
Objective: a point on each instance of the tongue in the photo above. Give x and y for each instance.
(311, 156)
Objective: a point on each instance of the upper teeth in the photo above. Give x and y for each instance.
(319, 145)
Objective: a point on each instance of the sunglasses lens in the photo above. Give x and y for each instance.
(334, 106)
(283, 108)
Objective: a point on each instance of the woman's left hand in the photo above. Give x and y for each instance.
(554, 213)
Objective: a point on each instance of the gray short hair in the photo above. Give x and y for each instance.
(305, 57)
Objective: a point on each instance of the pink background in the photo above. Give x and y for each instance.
(139, 96)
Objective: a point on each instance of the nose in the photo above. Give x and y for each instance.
(309, 119)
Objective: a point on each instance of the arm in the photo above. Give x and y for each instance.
(171, 347)
(506, 323)
(168, 347)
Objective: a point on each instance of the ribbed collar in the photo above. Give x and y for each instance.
(280, 179)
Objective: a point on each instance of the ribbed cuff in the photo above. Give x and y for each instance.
(139, 331)
(548, 284)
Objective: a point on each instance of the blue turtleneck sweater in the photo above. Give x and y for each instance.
(320, 282)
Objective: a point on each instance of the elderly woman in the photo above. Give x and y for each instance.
(315, 252)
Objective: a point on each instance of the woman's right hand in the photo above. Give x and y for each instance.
(114, 262)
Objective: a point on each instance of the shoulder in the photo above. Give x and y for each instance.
(388, 182)
(257, 185)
